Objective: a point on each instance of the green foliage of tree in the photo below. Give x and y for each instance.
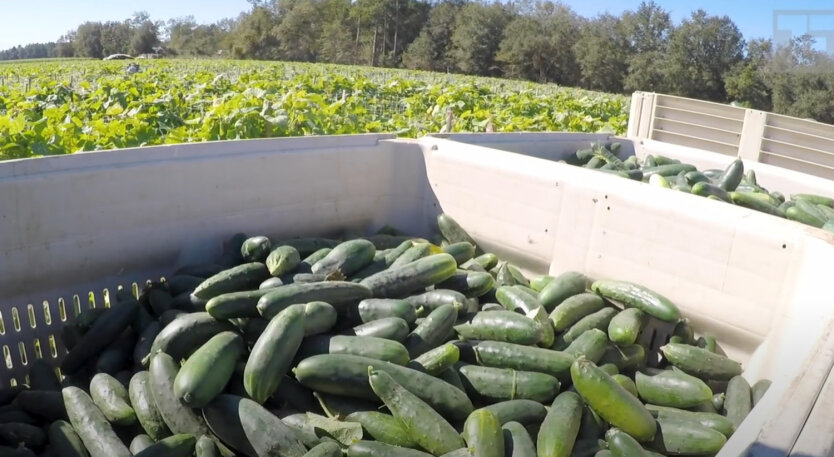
(477, 36)
(602, 53)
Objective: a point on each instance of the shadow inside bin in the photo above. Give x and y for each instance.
(761, 450)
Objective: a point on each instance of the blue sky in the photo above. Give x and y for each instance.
(26, 21)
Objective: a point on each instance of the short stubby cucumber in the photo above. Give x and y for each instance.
(637, 296)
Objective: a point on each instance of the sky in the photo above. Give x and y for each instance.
(28, 21)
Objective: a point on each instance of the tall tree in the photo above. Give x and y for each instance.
(253, 36)
(647, 30)
(477, 37)
(746, 82)
(88, 40)
(298, 33)
(602, 53)
(431, 49)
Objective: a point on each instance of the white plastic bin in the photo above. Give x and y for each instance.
(83, 223)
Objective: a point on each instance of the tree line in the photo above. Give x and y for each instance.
(703, 56)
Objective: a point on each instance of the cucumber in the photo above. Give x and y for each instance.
(205, 374)
(612, 401)
(179, 418)
(708, 342)
(678, 436)
(498, 354)
(242, 277)
(504, 326)
(732, 175)
(749, 200)
(799, 214)
(18, 434)
(425, 425)
(487, 261)
(672, 388)
(304, 431)
(718, 402)
(560, 288)
(667, 170)
(48, 404)
(337, 293)
(255, 419)
(390, 328)
(609, 368)
(115, 358)
(325, 449)
(462, 251)
(106, 329)
(347, 375)
(62, 436)
(432, 332)
(560, 427)
(437, 360)
(307, 263)
(236, 304)
(470, 283)
(694, 177)
(526, 412)
(111, 397)
(364, 448)
(451, 377)
(185, 334)
(433, 299)
(339, 407)
(206, 447)
(700, 362)
(684, 331)
(452, 231)
(624, 357)
(179, 284)
(621, 444)
(759, 389)
(307, 246)
(815, 199)
(383, 427)
(283, 260)
(366, 346)
(714, 421)
(392, 255)
(272, 354)
(513, 299)
(91, 425)
(346, 258)
(591, 448)
(498, 384)
(636, 296)
(572, 309)
(539, 283)
(223, 417)
(483, 435)
(540, 317)
(173, 446)
(415, 252)
(591, 344)
(319, 317)
(517, 441)
(705, 189)
(145, 343)
(306, 278)
(400, 281)
(738, 400)
(255, 249)
(598, 320)
(143, 405)
(372, 309)
(627, 383)
(295, 396)
(625, 327)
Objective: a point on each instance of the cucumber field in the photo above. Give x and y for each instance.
(61, 107)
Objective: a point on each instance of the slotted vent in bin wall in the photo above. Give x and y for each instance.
(798, 144)
(697, 124)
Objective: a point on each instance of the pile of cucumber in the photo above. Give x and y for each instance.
(731, 185)
(386, 345)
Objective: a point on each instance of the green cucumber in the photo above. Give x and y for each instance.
(815, 199)
(236, 304)
(366, 346)
(106, 329)
(679, 436)
(499, 384)
(487, 261)
(391, 328)
(319, 317)
(143, 404)
(306, 264)
(451, 377)
(694, 177)
(625, 327)
(185, 334)
(749, 200)
(372, 309)
(255, 249)
(612, 401)
(400, 281)
(347, 258)
(242, 277)
(205, 374)
(707, 342)
(591, 344)
(622, 444)
(803, 215)
(91, 426)
(672, 388)
(514, 299)
(306, 278)
(470, 283)
(179, 418)
(325, 449)
(609, 368)
(283, 260)
(574, 308)
(395, 253)
(295, 396)
(347, 375)
(462, 251)
(432, 332)
(415, 252)
(498, 354)
(337, 293)
(452, 231)
(539, 283)
(173, 446)
(705, 189)
(526, 412)
(667, 170)
(732, 176)
(145, 343)
(206, 447)
(560, 288)
(738, 401)
(240, 422)
(759, 389)
(714, 421)
(364, 448)
(591, 447)
(47, 404)
(179, 284)
(111, 360)
(307, 246)
(517, 441)
(433, 299)
(483, 435)
(560, 427)
(540, 317)
(425, 425)
(626, 382)
(383, 427)
(504, 326)
(272, 354)
(636, 296)
(700, 362)
(624, 357)
(684, 331)
(62, 436)
(437, 360)
(23, 435)
(111, 397)
(718, 402)
(598, 320)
